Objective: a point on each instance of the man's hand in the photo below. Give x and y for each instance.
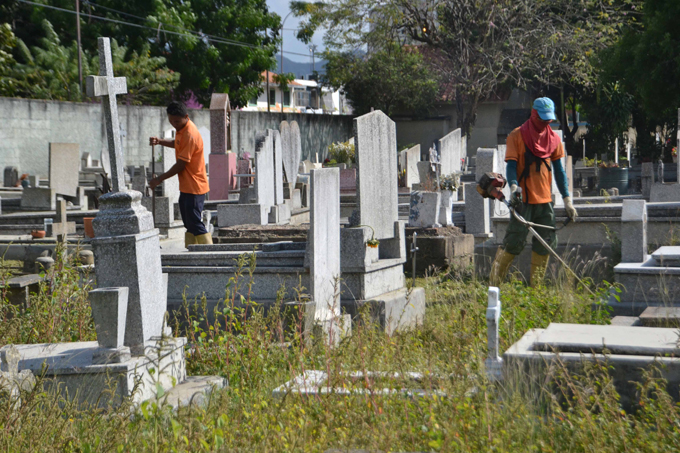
(571, 210)
(154, 141)
(154, 183)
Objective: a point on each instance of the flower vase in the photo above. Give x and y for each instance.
(675, 159)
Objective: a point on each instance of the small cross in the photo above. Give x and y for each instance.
(108, 86)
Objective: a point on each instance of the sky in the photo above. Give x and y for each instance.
(290, 43)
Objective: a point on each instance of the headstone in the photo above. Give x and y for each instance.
(647, 179)
(12, 381)
(411, 159)
(11, 176)
(278, 166)
(222, 163)
(109, 311)
(325, 243)
(348, 180)
(634, 231)
(424, 210)
(488, 161)
(292, 150)
(126, 244)
(499, 208)
(64, 168)
(139, 179)
(451, 152)
(85, 161)
(476, 212)
(493, 362)
(377, 191)
(659, 171)
(244, 167)
(169, 187)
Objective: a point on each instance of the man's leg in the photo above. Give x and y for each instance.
(544, 214)
(184, 200)
(196, 218)
(513, 244)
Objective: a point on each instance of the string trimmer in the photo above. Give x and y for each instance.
(491, 185)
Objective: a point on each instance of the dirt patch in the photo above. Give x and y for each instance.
(259, 233)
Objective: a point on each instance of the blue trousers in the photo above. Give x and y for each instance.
(191, 208)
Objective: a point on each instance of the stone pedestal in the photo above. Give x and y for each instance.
(222, 171)
(127, 253)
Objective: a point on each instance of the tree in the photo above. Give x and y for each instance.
(392, 80)
(7, 44)
(482, 47)
(646, 62)
(216, 45)
(50, 71)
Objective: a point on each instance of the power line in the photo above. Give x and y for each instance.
(219, 40)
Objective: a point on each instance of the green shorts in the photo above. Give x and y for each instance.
(516, 235)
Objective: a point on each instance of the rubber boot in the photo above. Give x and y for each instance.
(500, 266)
(539, 263)
(204, 238)
(189, 239)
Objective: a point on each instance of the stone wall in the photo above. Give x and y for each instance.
(316, 131)
(27, 126)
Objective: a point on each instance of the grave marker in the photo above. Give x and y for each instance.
(222, 163)
(451, 152)
(377, 191)
(64, 168)
(634, 231)
(11, 176)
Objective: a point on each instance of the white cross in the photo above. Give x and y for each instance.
(108, 86)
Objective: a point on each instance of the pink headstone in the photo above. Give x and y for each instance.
(222, 171)
(244, 168)
(348, 180)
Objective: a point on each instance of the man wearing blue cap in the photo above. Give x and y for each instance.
(531, 149)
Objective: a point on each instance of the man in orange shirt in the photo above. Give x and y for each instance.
(190, 170)
(531, 149)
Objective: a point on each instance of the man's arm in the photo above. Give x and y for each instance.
(176, 169)
(561, 177)
(163, 142)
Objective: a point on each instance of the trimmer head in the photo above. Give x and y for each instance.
(490, 185)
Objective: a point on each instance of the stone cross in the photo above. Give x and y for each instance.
(107, 86)
(493, 362)
(12, 380)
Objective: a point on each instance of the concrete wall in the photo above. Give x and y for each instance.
(421, 132)
(317, 131)
(27, 127)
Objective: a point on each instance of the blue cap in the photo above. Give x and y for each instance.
(545, 108)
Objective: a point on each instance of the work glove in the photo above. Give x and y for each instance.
(515, 192)
(571, 210)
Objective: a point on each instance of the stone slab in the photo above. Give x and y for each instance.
(242, 214)
(222, 171)
(109, 311)
(634, 231)
(377, 189)
(667, 256)
(585, 338)
(412, 157)
(661, 192)
(395, 311)
(39, 199)
(64, 168)
(660, 317)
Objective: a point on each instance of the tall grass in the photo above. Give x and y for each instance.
(258, 353)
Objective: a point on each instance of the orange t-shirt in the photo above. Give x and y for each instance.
(538, 185)
(189, 148)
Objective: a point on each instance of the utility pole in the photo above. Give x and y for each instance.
(80, 52)
(269, 104)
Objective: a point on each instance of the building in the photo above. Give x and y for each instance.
(302, 96)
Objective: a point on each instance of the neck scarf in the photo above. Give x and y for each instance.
(539, 137)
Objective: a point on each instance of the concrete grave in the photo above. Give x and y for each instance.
(64, 168)
(376, 144)
(629, 352)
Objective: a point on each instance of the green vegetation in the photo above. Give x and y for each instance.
(564, 413)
